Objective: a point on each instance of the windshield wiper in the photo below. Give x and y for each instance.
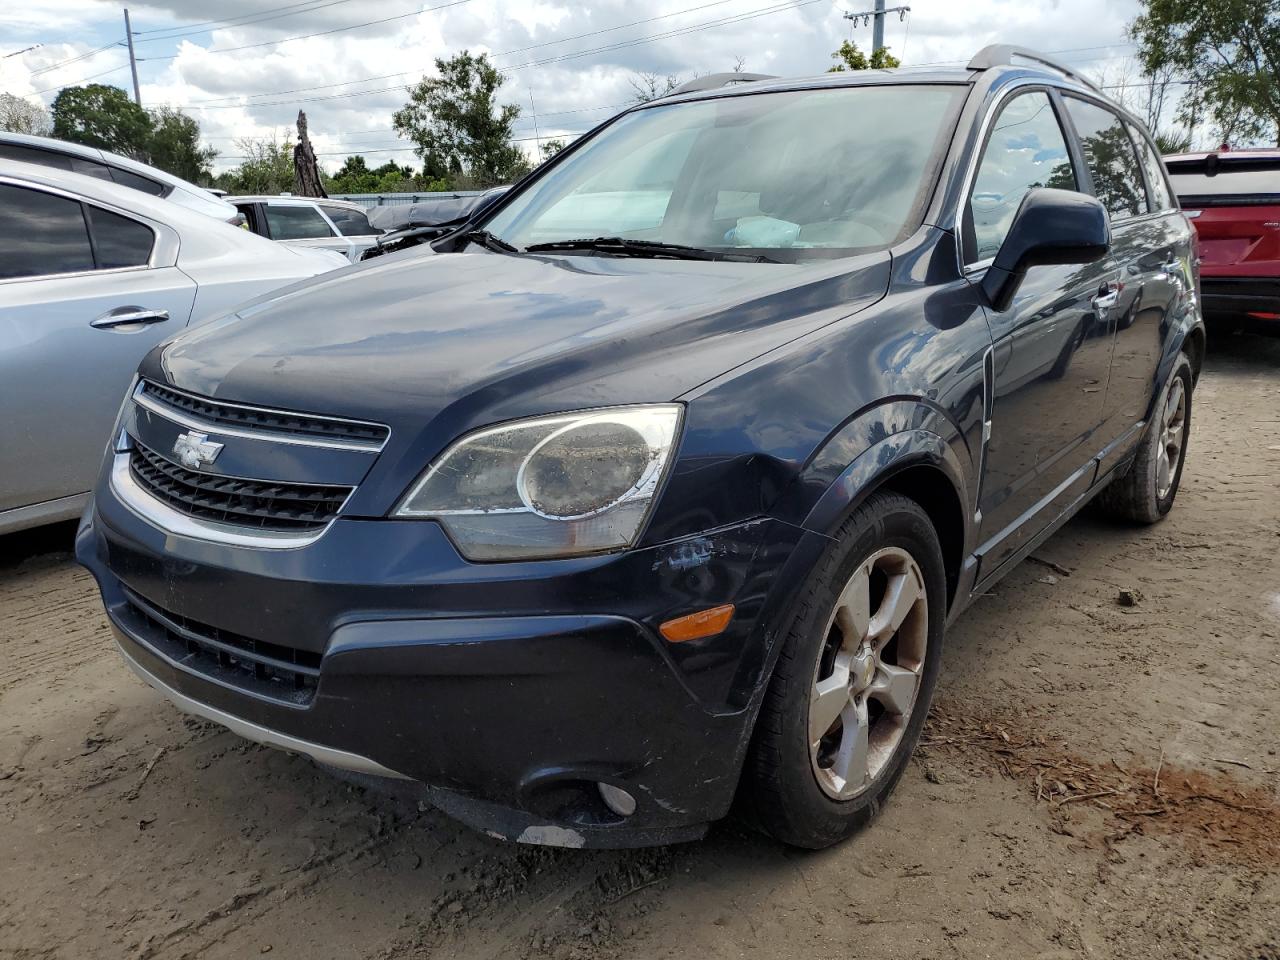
(623, 247)
(487, 240)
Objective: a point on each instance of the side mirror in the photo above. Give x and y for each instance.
(1050, 227)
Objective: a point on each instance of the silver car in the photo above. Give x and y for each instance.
(92, 276)
(92, 162)
(301, 221)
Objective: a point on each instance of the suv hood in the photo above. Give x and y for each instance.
(469, 338)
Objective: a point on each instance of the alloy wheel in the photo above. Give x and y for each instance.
(868, 673)
(1173, 418)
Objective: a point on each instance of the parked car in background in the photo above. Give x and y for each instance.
(594, 529)
(92, 276)
(1233, 198)
(92, 162)
(303, 222)
(411, 224)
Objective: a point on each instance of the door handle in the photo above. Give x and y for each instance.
(1108, 296)
(123, 316)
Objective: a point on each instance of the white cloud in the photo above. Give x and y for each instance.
(237, 94)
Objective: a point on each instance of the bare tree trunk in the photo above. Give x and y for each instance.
(306, 171)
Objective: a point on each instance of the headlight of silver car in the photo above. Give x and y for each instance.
(557, 486)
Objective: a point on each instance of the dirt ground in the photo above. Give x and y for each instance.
(1099, 780)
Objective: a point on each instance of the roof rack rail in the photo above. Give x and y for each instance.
(714, 81)
(1003, 54)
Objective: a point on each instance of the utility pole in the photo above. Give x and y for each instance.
(536, 137)
(133, 63)
(876, 19)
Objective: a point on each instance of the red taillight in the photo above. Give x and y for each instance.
(1263, 315)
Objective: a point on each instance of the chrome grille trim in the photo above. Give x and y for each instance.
(143, 397)
(159, 514)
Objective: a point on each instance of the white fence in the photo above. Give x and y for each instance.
(396, 199)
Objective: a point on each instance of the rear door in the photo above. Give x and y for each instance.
(1151, 248)
(85, 292)
(303, 225)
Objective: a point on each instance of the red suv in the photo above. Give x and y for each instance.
(1233, 198)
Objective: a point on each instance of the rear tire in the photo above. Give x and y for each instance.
(854, 679)
(1146, 493)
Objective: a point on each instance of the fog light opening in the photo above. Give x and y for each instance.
(617, 799)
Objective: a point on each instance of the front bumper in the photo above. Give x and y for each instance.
(510, 690)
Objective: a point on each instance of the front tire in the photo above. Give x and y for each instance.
(854, 679)
(1146, 493)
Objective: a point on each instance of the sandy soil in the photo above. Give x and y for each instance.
(1099, 780)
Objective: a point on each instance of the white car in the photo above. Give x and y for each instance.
(92, 276)
(113, 168)
(305, 222)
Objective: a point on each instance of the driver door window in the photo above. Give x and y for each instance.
(1026, 149)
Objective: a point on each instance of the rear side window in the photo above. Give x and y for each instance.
(296, 223)
(145, 184)
(1109, 153)
(119, 241)
(350, 223)
(41, 234)
(1157, 186)
(1026, 149)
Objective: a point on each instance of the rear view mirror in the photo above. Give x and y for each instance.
(1050, 227)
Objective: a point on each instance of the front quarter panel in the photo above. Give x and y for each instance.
(803, 414)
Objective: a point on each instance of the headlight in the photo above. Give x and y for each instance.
(557, 486)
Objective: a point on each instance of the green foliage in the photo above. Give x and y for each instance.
(1171, 141)
(175, 146)
(459, 128)
(551, 147)
(849, 57)
(1228, 52)
(103, 116)
(98, 115)
(267, 168)
(18, 115)
(354, 176)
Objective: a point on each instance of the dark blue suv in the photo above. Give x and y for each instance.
(654, 488)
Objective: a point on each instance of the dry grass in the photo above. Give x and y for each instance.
(1214, 813)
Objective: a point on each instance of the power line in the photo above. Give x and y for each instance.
(325, 33)
(206, 26)
(606, 48)
(504, 53)
(76, 83)
(71, 60)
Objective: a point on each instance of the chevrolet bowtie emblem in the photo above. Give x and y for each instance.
(195, 449)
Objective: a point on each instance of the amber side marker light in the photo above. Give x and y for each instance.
(695, 626)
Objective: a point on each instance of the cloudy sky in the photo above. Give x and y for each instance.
(243, 68)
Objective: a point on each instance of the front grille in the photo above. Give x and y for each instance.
(257, 504)
(300, 425)
(269, 669)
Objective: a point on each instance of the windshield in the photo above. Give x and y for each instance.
(795, 175)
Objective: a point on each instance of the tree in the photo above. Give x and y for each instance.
(22, 116)
(457, 125)
(650, 86)
(266, 167)
(175, 146)
(99, 115)
(551, 148)
(1227, 51)
(849, 57)
(306, 170)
